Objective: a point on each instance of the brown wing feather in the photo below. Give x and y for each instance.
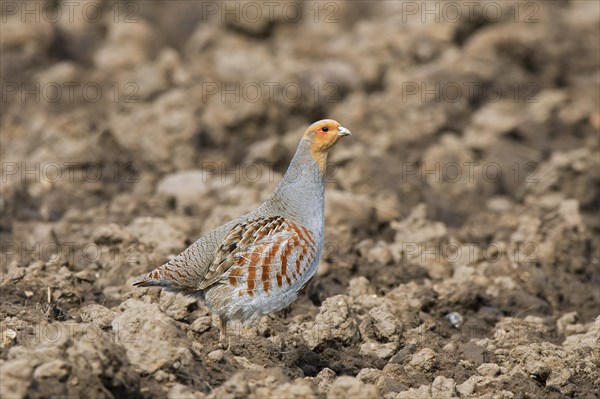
(244, 238)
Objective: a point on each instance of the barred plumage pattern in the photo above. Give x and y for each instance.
(263, 255)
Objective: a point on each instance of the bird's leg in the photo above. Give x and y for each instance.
(223, 334)
(222, 328)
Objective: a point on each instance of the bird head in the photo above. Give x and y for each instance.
(322, 136)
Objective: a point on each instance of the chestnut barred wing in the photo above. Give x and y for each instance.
(263, 255)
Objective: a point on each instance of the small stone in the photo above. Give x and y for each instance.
(424, 360)
(504, 394)
(385, 323)
(299, 389)
(489, 369)
(161, 376)
(388, 385)
(382, 351)
(333, 323)
(559, 377)
(201, 324)
(359, 286)
(463, 273)
(443, 388)
(538, 370)
(179, 391)
(534, 320)
(97, 314)
(369, 376)
(455, 319)
(566, 320)
(52, 369)
(162, 342)
(423, 392)
(450, 347)
(380, 254)
(176, 306)
(216, 355)
(403, 354)
(350, 388)
(8, 336)
(575, 329)
(324, 380)
(14, 275)
(473, 352)
(247, 364)
(468, 387)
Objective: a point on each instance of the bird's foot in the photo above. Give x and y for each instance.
(223, 334)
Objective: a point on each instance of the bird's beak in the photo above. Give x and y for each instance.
(342, 131)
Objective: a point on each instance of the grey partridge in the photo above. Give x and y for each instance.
(256, 264)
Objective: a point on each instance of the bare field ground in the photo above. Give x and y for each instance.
(462, 224)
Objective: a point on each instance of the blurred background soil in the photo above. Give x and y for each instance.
(462, 229)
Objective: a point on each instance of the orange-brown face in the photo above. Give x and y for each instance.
(322, 136)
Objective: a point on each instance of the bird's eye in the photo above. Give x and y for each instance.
(325, 129)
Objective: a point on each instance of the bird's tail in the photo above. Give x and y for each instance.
(170, 276)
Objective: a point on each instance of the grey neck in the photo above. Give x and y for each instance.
(301, 191)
